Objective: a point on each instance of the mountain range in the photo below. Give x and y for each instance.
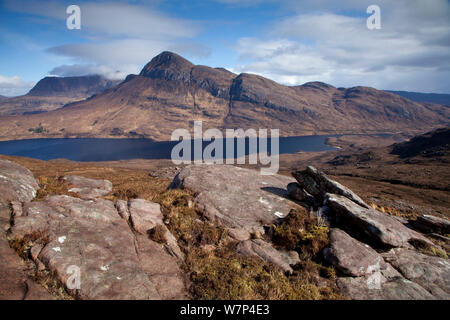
(170, 92)
(51, 93)
(439, 98)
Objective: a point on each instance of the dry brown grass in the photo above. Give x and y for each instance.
(51, 283)
(412, 215)
(22, 246)
(158, 234)
(302, 232)
(225, 275)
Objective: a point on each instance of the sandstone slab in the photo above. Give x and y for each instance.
(397, 289)
(431, 273)
(318, 184)
(90, 235)
(240, 199)
(428, 223)
(350, 256)
(16, 183)
(265, 251)
(296, 192)
(378, 226)
(144, 215)
(89, 188)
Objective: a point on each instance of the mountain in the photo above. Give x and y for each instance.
(83, 86)
(170, 92)
(51, 93)
(437, 98)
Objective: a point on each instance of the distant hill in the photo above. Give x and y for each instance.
(437, 98)
(170, 92)
(51, 93)
(431, 144)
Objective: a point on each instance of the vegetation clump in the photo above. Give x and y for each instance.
(23, 246)
(158, 234)
(38, 129)
(51, 186)
(301, 231)
(185, 222)
(224, 275)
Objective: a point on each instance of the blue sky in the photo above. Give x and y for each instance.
(291, 41)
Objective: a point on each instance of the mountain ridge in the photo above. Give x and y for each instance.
(170, 92)
(438, 98)
(51, 93)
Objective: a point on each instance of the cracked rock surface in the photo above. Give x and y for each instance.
(116, 259)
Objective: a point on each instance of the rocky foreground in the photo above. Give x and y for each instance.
(131, 249)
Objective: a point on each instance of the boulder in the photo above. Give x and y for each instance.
(430, 224)
(431, 273)
(378, 226)
(144, 215)
(241, 199)
(265, 251)
(90, 235)
(350, 256)
(16, 183)
(122, 209)
(88, 188)
(318, 184)
(296, 192)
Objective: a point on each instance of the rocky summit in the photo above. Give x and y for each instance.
(86, 244)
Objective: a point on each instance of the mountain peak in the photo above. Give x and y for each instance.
(71, 86)
(168, 66)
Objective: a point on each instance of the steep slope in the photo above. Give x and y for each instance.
(51, 93)
(171, 92)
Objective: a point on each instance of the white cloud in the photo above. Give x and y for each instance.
(119, 38)
(14, 86)
(115, 19)
(90, 69)
(410, 52)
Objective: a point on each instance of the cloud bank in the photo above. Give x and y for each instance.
(410, 52)
(14, 86)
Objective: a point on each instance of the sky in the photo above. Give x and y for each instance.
(290, 41)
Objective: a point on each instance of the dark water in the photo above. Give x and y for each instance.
(123, 149)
